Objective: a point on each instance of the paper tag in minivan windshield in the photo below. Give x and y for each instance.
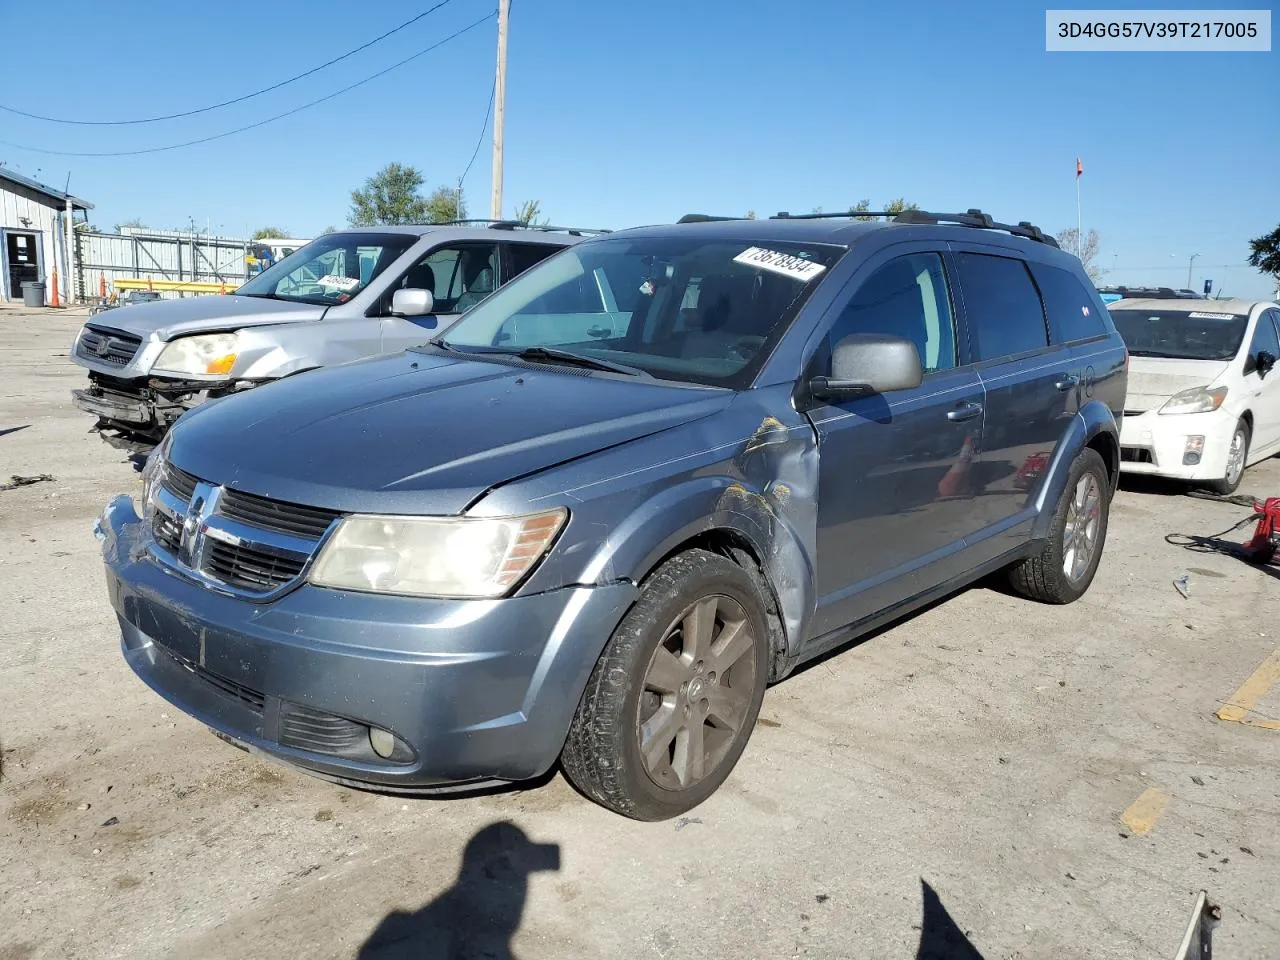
(338, 283)
(783, 263)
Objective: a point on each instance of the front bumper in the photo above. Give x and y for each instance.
(479, 690)
(1156, 445)
(141, 410)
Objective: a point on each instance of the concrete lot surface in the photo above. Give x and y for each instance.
(951, 787)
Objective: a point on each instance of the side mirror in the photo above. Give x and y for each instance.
(412, 302)
(1266, 362)
(868, 363)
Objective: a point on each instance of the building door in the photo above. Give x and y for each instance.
(22, 259)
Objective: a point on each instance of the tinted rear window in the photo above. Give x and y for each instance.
(1073, 312)
(1002, 306)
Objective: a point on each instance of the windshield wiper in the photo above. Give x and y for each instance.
(551, 355)
(1162, 356)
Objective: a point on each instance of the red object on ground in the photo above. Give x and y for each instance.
(149, 287)
(1262, 547)
(53, 292)
(102, 283)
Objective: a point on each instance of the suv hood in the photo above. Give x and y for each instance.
(418, 433)
(1153, 380)
(174, 318)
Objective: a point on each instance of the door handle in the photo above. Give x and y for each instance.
(1067, 382)
(964, 411)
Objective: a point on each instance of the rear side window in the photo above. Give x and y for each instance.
(525, 255)
(1002, 306)
(907, 298)
(1073, 313)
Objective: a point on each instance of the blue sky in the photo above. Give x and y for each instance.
(620, 114)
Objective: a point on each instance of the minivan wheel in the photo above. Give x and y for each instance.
(1237, 456)
(672, 701)
(1062, 571)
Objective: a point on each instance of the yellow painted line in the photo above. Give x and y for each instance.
(1145, 811)
(1238, 705)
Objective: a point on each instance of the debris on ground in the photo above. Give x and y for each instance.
(1183, 585)
(685, 821)
(111, 821)
(16, 481)
(1197, 781)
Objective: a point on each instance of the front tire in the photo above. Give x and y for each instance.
(1062, 571)
(1237, 457)
(672, 701)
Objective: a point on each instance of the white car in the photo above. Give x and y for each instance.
(1204, 395)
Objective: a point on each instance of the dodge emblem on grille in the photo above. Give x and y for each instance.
(102, 347)
(195, 524)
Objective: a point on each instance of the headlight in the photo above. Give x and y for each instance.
(435, 556)
(1195, 400)
(152, 473)
(210, 354)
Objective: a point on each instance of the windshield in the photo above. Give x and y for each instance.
(1181, 335)
(330, 270)
(678, 308)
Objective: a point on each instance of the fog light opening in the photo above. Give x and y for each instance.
(383, 742)
(1192, 451)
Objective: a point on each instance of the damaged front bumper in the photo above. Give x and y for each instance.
(135, 415)
(472, 691)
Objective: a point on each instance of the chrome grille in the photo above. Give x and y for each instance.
(250, 569)
(108, 346)
(230, 540)
(273, 515)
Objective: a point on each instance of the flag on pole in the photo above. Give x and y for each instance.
(1079, 167)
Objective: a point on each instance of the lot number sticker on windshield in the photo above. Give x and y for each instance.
(338, 283)
(783, 263)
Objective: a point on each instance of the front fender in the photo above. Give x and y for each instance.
(721, 505)
(1092, 420)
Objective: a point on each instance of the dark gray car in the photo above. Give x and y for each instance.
(619, 497)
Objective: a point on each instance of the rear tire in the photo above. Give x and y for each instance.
(1237, 457)
(672, 701)
(1062, 571)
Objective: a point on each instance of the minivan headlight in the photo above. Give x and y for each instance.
(461, 557)
(204, 355)
(1195, 400)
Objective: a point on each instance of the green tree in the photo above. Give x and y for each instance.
(444, 204)
(328, 230)
(132, 222)
(893, 208)
(529, 213)
(390, 196)
(1265, 254)
(1069, 240)
(269, 233)
(751, 215)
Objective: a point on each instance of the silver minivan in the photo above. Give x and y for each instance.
(346, 295)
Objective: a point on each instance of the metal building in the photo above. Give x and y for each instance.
(33, 232)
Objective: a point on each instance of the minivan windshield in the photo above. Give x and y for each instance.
(330, 270)
(1181, 334)
(699, 310)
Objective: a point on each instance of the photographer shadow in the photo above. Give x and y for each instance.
(476, 917)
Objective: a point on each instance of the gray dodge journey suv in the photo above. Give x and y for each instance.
(593, 520)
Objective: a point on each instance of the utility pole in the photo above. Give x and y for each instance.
(1190, 263)
(71, 238)
(499, 107)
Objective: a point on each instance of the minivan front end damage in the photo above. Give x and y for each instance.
(404, 694)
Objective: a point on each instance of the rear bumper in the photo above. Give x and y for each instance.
(478, 690)
(1157, 445)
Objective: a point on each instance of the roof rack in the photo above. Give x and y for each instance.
(971, 218)
(521, 225)
(1152, 293)
(706, 218)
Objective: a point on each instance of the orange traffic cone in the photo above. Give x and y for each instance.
(149, 287)
(956, 480)
(102, 283)
(53, 299)
(222, 289)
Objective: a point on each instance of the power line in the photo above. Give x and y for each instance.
(260, 123)
(227, 103)
(480, 141)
